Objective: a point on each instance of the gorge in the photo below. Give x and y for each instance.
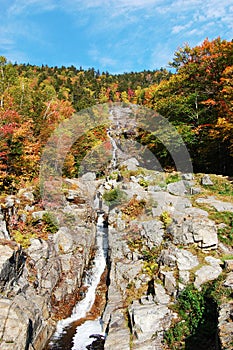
(167, 240)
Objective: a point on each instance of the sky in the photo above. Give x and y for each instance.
(114, 36)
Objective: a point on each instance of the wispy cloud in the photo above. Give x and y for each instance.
(24, 7)
(123, 34)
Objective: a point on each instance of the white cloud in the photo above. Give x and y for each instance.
(122, 32)
(180, 28)
(20, 7)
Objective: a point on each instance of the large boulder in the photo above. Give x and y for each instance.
(152, 232)
(12, 260)
(148, 318)
(194, 229)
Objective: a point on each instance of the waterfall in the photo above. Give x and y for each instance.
(87, 327)
(114, 150)
(80, 311)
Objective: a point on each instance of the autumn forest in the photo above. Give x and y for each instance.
(195, 94)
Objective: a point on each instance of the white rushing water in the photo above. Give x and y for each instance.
(114, 150)
(83, 332)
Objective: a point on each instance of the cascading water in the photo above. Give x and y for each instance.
(68, 335)
(114, 150)
(82, 339)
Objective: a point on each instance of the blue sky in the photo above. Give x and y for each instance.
(117, 36)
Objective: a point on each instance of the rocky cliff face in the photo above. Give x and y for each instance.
(40, 282)
(166, 232)
(162, 241)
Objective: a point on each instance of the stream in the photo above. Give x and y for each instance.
(73, 333)
(77, 331)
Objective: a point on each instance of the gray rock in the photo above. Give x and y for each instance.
(38, 249)
(228, 264)
(152, 232)
(118, 337)
(213, 261)
(195, 190)
(205, 274)
(205, 233)
(188, 176)
(184, 276)
(13, 326)
(168, 202)
(218, 205)
(90, 176)
(28, 195)
(177, 188)
(229, 281)
(225, 325)
(63, 241)
(188, 230)
(169, 281)
(206, 181)
(155, 188)
(12, 260)
(167, 257)
(148, 319)
(38, 215)
(4, 234)
(161, 297)
(9, 201)
(131, 164)
(186, 260)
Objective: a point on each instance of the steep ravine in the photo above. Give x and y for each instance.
(170, 260)
(74, 331)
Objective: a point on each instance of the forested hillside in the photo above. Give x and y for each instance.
(197, 98)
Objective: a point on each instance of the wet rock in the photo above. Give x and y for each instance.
(118, 337)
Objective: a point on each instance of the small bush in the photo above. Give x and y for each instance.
(134, 208)
(165, 217)
(144, 183)
(173, 178)
(114, 197)
(51, 223)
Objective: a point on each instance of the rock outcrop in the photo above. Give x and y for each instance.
(160, 242)
(37, 281)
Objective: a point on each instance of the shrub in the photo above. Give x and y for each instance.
(51, 223)
(114, 196)
(165, 217)
(134, 208)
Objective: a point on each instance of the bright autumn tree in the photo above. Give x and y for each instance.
(195, 97)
